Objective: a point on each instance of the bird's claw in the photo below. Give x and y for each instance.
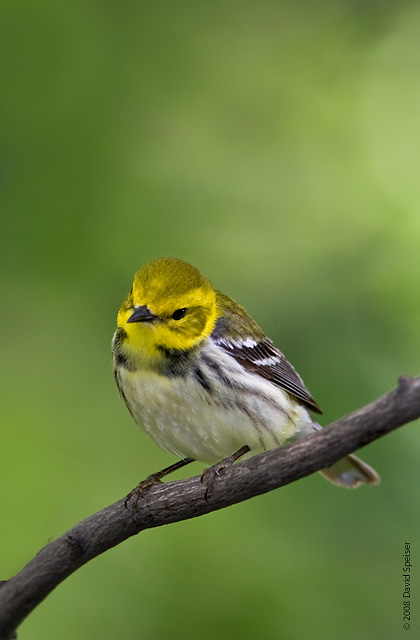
(134, 496)
(209, 475)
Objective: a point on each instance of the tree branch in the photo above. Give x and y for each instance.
(174, 501)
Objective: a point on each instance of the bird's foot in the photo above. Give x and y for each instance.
(134, 496)
(210, 475)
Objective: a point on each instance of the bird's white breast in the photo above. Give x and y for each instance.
(210, 419)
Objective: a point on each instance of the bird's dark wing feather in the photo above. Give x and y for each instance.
(268, 362)
(257, 353)
(264, 359)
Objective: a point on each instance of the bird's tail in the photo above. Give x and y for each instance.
(350, 472)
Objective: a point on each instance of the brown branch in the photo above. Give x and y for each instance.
(174, 501)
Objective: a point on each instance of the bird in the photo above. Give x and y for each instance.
(202, 379)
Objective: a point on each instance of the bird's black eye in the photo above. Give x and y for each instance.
(179, 313)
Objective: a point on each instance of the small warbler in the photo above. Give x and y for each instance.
(202, 379)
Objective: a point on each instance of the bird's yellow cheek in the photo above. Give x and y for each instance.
(169, 337)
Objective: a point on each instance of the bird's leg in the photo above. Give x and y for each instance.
(134, 495)
(209, 475)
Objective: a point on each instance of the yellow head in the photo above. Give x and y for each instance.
(171, 306)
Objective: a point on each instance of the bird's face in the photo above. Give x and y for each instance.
(171, 306)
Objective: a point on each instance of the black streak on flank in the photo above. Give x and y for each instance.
(201, 378)
(218, 370)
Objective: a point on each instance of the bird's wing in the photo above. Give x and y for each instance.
(240, 336)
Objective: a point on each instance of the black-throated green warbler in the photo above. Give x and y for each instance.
(202, 379)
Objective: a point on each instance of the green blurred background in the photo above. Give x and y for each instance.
(274, 145)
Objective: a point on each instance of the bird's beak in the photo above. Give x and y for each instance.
(141, 314)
